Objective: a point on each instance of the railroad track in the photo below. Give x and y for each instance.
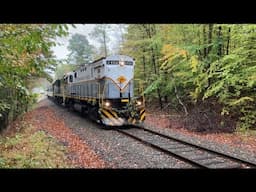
(197, 156)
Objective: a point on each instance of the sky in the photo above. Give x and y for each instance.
(61, 51)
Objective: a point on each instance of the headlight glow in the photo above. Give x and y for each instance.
(107, 104)
(139, 102)
(121, 63)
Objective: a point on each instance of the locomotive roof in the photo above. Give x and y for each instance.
(98, 59)
(119, 57)
(111, 57)
(114, 57)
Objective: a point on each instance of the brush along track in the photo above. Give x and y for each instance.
(192, 154)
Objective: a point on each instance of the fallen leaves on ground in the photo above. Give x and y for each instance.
(80, 154)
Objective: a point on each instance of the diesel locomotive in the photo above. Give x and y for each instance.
(104, 90)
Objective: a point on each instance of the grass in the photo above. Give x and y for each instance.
(30, 148)
(246, 133)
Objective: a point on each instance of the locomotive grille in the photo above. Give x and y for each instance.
(118, 103)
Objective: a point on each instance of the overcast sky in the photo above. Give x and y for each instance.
(61, 51)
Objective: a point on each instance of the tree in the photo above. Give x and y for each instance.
(100, 33)
(81, 52)
(63, 68)
(143, 44)
(118, 32)
(198, 68)
(25, 54)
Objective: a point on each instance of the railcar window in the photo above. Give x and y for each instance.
(75, 75)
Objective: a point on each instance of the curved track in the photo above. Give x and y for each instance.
(192, 154)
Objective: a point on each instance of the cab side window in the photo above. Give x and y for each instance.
(70, 78)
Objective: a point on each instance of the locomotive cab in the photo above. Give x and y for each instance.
(118, 105)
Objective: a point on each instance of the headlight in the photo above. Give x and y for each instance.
(139, 102)
(121, 63)
(107, 104)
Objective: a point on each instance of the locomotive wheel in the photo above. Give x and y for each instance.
(70, 106)
(95, 114)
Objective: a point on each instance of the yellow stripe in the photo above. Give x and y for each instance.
(117, 117)
(142, 116)
(125, 100)
(143, 110)
(107, 113)
(109, 118)
(110, 112)
(104, 115)
(114, 113)
(134, 120)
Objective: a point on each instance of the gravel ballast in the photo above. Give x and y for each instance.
(116, 149)
(120, 151)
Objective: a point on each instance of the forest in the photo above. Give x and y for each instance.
(206, 73)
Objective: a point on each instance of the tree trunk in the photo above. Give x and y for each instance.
(144, 60)
(220, 42)
(121, 33)
(228, 41)
(177, 96)
(105, 44)
(149, 30)
(209, 38)
(155, 70)
(204, 42)
(144, 66)
(199, 43)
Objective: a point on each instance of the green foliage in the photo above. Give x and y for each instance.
(195, 63)
(233, 78)
(25, 53)
(3, 107)
(153, 86)
(144, 45)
